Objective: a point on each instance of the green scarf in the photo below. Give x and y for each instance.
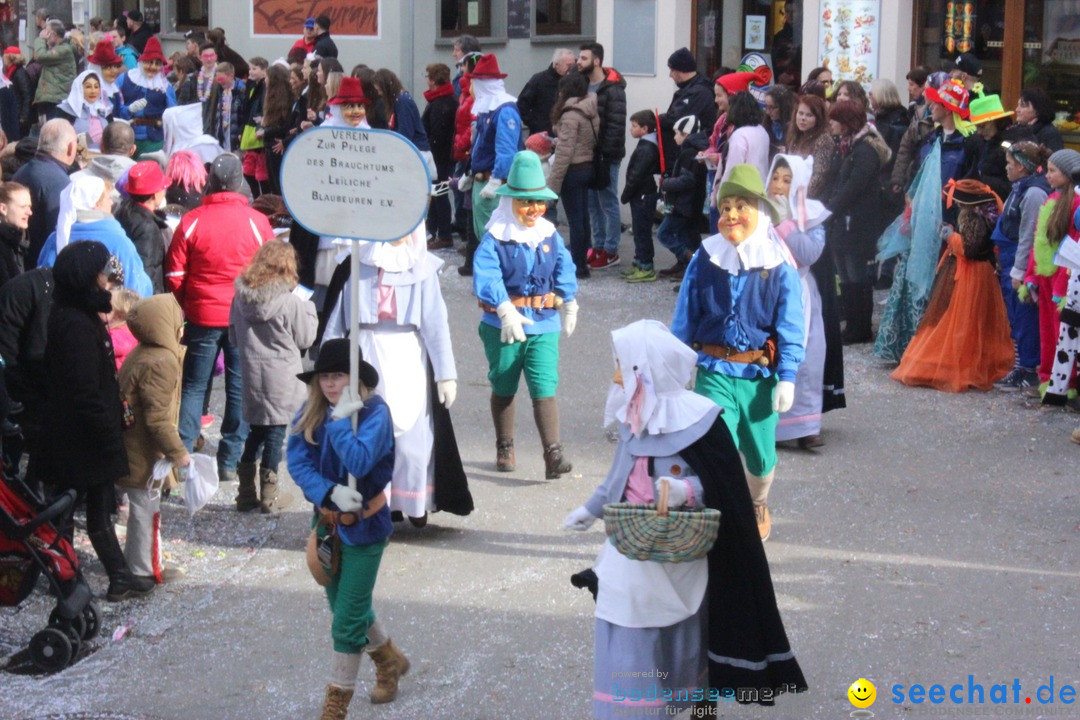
(1044, 249)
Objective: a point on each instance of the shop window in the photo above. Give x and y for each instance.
(558, 17)
(192, 14)
(465, 17)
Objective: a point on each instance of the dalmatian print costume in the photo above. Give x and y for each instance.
(1068, 344)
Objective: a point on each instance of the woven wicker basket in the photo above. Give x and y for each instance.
(652, 532)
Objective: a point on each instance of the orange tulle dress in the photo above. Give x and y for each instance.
(963, 340)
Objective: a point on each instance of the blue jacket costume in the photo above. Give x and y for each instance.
(498, 138)
(156, 103)
(505, 269)
(368, 454)
(741, 311)
(109, 233)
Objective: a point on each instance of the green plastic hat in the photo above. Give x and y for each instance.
(987, 108)
(745, 181)
(526, 179)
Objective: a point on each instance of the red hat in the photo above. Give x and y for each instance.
(487, 68)
(104, 55)
(146, 178)
(953, 95)
(12, 50)
(740, 81)
(152, 51)
(351, 91)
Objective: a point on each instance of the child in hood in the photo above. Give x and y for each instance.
(150, 386)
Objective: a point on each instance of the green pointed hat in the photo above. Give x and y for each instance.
(526, 179)
(745, 181)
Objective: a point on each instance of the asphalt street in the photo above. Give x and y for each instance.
(934, 537)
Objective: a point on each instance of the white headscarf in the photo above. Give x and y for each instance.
(82, 193)
(504, 226)
(396, 258)
(656, 368)
(108, 89)
(806, 213)
(183, 128)
(136, 75)
(489, 94)
(76, 104)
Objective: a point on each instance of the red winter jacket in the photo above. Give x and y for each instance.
(210, 248)
(463, 124)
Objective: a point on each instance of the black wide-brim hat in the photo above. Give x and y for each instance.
(334, 357)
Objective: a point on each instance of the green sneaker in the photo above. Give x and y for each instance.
(640, 276)
(633, 269)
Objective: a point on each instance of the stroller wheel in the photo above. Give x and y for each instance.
(76, 642)
(92, 615)
(77, 623)
(50, 649)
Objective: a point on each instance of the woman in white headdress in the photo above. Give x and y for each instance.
(665, 635)
(87, 108)
(404, 334)
(803, 232)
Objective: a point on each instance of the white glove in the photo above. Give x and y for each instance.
(570, 317)
(678, 491)
(579, 520)
(488, 192)
(512, 322)
(137, 106)
(346, 499)
(347, 404)
(783, 396)
(464, 183)
(447, 392)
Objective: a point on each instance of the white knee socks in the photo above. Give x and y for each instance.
(343, 670)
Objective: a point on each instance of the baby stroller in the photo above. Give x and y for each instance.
(29, 545)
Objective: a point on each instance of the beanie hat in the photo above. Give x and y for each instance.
(682, 60)
(539, 143)
(1068, 162)
(740, 81)
(687, 125)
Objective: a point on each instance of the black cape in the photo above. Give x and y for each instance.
(824, 272)
(748, 647)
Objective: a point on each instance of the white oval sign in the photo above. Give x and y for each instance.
(355, 183)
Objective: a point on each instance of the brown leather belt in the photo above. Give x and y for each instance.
(146, 122)
(755, 357)
(333, 517)
(482, 176)
(536, 302)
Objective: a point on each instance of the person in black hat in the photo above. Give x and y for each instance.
(324, 45)
(323, 451)
(139, 31)
(968, 70)
(694, 96)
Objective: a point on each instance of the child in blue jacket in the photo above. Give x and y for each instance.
(323, 451)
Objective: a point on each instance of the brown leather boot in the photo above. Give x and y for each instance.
(502, 414)
(271, 503)
(247, 498)
(336, 705)
(546, 415)
(505, 460)
(554, 462)
(390, 665)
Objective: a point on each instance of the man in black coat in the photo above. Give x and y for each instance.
(46, 176)
(538, 97)
(694, 96)
(324, 45)
(610, 89)
(438, 119)
(138, 31)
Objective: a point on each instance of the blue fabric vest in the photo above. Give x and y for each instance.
(1010, 215)
(737, 325)
(518, 279)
